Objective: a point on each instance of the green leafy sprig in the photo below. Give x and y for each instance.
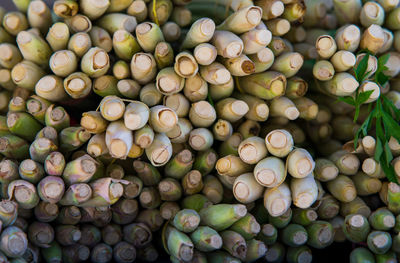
(384, 115)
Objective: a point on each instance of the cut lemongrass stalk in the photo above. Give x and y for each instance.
(239, 66)
(93, 122)
(278, 26)
(97, 145)
(370, 86)
(294, 11)
(227, 43)
(17, 104)
(121, 70)
(347, 12)
(180, 132)
(271, 8)
(24, 193)
(372, 13)
(34, 48)
(288, 63)
(119, 139)
(143, 67)
(54, 164)
(115, 21)
(323, 70)
(357, 206)
(80, 170)
(31, 171)
(106, 85)
(283, 107)
(232, 166)
(342, 84)
(39, 16)
(201, 31)
(343, 60)
(78, 85)
(112, 108)
(57, 118)
(24, 74)
(162, 119)
(342, 188)
(65, 8)
(95, 62)
(171, 31)
(325, 170)
(51, 189)
(125, 44)
(192, 183)
(308, 51)
(326, 46)
(15, 22)
(300, 163)
(373, 38)
(266, 85)
(195, 89)
(186, 65)
(163, 10)
(347, 163)
(258, 109)
(205, 54)
(201, 139)
(279, 143)
(106, 191)
(296, 88)
(144, 137)
(63, 63)
(296, 34)
(373, 169)
(348, 38)
(316, 11)
(213, 189)
(23, 125)
(243, 20)
(160, 151)
(220, 91)
(138, 9)
(149, 95)
(392, 19)
(277, 200)
(249, 128)
(304, 191)
(79, 23)
(308, 109)
(80, 43)
(255, 40)
(9, 55)
(101, 38)
(262, 60)
(366, 185)
(202, 114)
(270, 172)
(94, 8)
(129, 88)
(164, 55)
(181, 15)
(136, 115)
(215, 74)
(231, 109)
(149, 35)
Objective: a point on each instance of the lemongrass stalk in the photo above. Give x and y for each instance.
(347, 163)
(343, 60)
(128, 88)
(278, 26)
(77, 85)
(279, 143)
(178, 103)
(149, 198)
(133, 188)
(115, 171)
(325, 170)
(222, 130)
(186, 220)
(388, 5)
(288, 63)
(162, 119)
(171, 31)
(393, 195)
(201, 31)
(361, 254)
(17, 104)
(93, 122)
(169, 209)
(342, 188)
(144, 137)
(304, 191)
(200, 139)
(80, 170)
(202, 114)
(179, 244)
(31, 171)
(39, 16)
(186, 65)
(294, 235)
(239, 66)
(326, 46)
(119, 139)
(347, 11)
(372, 13)
(121, 70)
(348, 38)
(323, 70)
(72, 138)
(125, 211)
(243, 20)
(111, 234)
(283, 107)
(152, 218)
(148, 36)
(12, 146)
(136, 115)
(101, 253)
(77, 194)
(33, 48)
(106, 191)
(57, 118)
(41, 234)
(356, 228)
(125, 45)
(147, 173)
(163, 10)
(100, 38)
(228, 45)
(366, 185)
(246, 189)
(65, 8)
(294, 11)
(50, 87)
(69, 215)
(115, 21)
(112, 108)
(262, 60)
(95, 62)
(9, 55)
(271, 8)
(143, 67)
(58, 36)
(205, 54)
(392, 19)
(14, 242)
(15, 22)
(206, 239)
(138, 9)
(252, 150)
(379, 242)
(80, 43)
(320, 234)
(24, 194)
(45, 212)
(124, 252)
(372, 38)
(94, 9)
(329, 207)
(164, 55)
(79, 23)
(160, 151)
(342, 84)
(181, 15)
(54, 164)
(168, 82)
(277, 200)
(170, 189)
(211, 216)
(265, 85)
(150, 96)
(213, 189)
(231, 109)
(308, 109)
(17, 122)
(382, 219)
(205, 161)
(232, 166)
(216, 74)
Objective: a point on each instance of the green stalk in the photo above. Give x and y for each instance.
(382, 219)
(275, 253)
(72, 138)
(211, 216)
(299, 254)
(69, 215)
(34, 48)
(46, 212)
(53, 253)
(320, 234)
(379, 242)
(23, 124)
(146, 172)
(54, 164)
(393, 196)
(196, 202)
(206, 239)
(179, 244)
(76, 194)
(80, 43)
(12, 146)
(170, 189)
(186, 220)
(304, 217)
(356, 228)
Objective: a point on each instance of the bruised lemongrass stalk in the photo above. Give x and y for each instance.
(58, 36)
(232, 166)
(51, 189)
(80, 43)
(379, 242)
(57, 118)
(12, 146)
(17, 104)
(201, 31)
(15, 22)
(119, 139)
(143, 67)
(65, 8)
(342, 188)
(222, 130)
(266, 85)
(95, 62)
(76, 194)
(283, 107)
(9, 55)
(149, 35)
(138, 9)
(51, 87)
(202, 114)
(34, 48)
(77, 85)
(24, 193)
(178, 103)
(343, 60)
(80, 170)
(277, 200)
(206, 239)
(228, 45)
(100, 38)
(164, 55)
(23, 124)
(372, 38)
(320, 234)
(31, 171)
(294, 235)
(54, 164)
(169, 209)
(115, 21)
(348, 38)
(296, 88)
(144, 137)
(186, 220)
(121, 70)
(125, 45)
(179, 244)
(93, 122)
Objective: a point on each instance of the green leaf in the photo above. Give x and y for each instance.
(361, 68)
(388, 170)
(381, 78)
(364, 96)
(388, 153)
(348, 100)
(378, 150)
(382, 61)
(392, 126)
(390, 105)
(210, 100)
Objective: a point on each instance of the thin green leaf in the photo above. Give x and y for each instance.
(388, 153)
(388, 170)
(390, 105)
(364, 96)
(365, 76)
(210, 100)
(382, 61)
(358, 134)
(378, 150)
(361, 68)
(392, 126)
(348, 100)
(381, 78)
